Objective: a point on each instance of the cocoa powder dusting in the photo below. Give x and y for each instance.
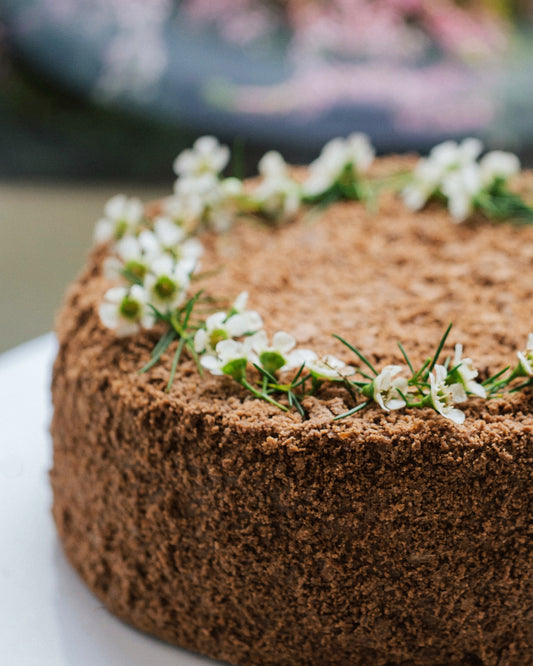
(218, 523)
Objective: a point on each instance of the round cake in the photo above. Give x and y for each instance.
(220, 523)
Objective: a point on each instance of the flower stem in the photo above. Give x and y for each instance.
(263, 396)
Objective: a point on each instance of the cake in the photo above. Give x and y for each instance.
(214, 520)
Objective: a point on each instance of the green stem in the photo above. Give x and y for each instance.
(263, 396)
(354, 410)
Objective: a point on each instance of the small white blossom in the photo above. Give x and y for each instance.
(329, 367)
(240, 302)
(461, 187)
(121, 216)
(452, 155)
(230, 358)
(130, 257)
(223, 207)
(272, 165)
(337, 155)
(198, 189)
(298, 357)
(426, 181)
(223, 326)
(167, 237)
(387, 388)
(430, 174)
(498, 165)
(207, 156)
(168, 233)
(185, 210)
(443, 397)
(272, 357)
(278, 194)
(525, 358)
(217, 199)
(167, 282)
(466, 373)
(206, 339)
(126, 310)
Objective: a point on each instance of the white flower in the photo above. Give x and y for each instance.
(206, 339)
(387, 388)
(426, 181)
(272, 165)
(525, 358)
(230, 358)
(278, 195)
(223, 326)
(461, 187)
(466, 373)
(452, 155)
(167, 237)
(337, 155)
(443, 397)
(198, 189)
(184, 209)
(498, 165)
(430, 174)
(329, 367)
(272, 357)
(216, 199)
(167, 282)
(298, 357)
(206, 156)
(126, 310)
(121, 216)
(222, 208)
(132, 258)
(240, 302)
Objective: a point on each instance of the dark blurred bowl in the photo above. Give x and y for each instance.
(154, 61)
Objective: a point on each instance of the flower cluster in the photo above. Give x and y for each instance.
(203, 198)
(435, 385)
(232, 343)
(454, 172)
(337, 172)
(152, 261)
(439, 386)
(154, 265)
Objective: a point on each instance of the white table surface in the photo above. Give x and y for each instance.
(47, 616)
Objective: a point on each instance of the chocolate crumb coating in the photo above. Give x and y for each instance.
(216, 522)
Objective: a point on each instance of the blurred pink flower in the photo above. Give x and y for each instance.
(377, 28)
(435, 97)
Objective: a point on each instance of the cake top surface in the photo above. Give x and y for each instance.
(374, 278)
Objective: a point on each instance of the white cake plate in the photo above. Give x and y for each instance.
(47, 616)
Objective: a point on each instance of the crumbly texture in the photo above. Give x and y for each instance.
(216, 522)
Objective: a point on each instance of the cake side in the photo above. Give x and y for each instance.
(216, 522)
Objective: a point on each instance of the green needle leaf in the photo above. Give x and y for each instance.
(357, 353)
(496, 376)
(406, 357)
(356, 409)
(164, 342)
(521, 386)
(265, 373)
(439, 348)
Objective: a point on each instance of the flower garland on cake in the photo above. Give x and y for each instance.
(155, 261)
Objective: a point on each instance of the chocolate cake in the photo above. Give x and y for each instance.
(219, 523)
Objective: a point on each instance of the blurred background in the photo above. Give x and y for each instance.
(99, 96)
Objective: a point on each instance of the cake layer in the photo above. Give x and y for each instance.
(215, 521)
